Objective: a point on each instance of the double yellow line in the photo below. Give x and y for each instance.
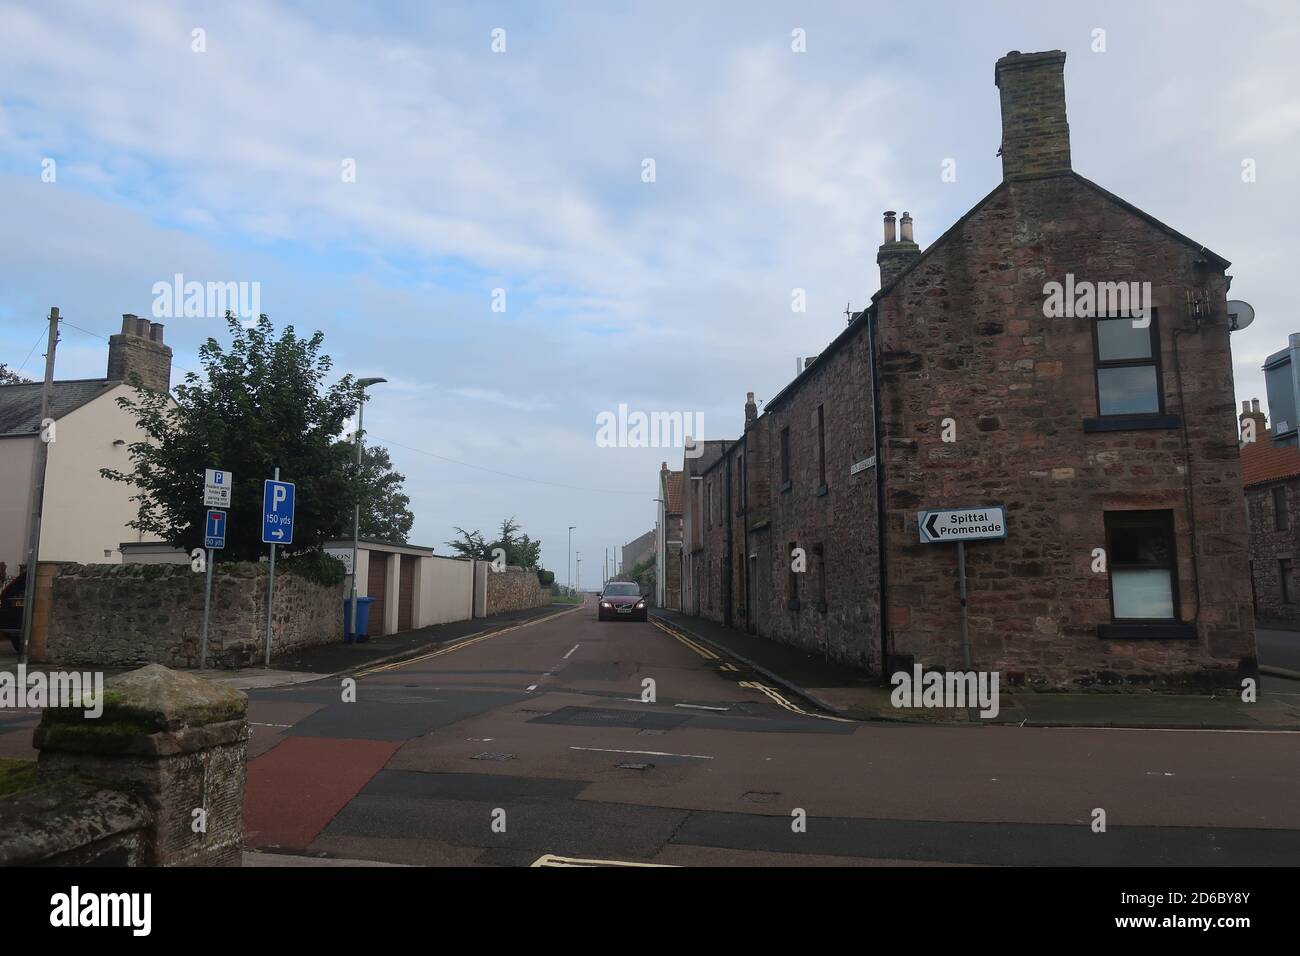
(472, 639)
(772, 693)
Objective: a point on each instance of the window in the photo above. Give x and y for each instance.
(793, 586)
(821, 445)
(740, 484)
(1127, 367)
(1143, 568)
(785, 458)
(1281, 517)
(1288, 581)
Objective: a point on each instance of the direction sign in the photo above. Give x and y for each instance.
(216, 488)
(277, 512)
(214, 535)
(961, 524)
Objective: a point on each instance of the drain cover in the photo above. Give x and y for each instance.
(635, 766)
(488, 755)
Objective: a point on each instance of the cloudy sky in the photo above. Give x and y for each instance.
(522, 170)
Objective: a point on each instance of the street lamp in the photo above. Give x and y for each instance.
(577, 561)
(568, 568)
(363, 384)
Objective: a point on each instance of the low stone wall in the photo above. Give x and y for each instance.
(121, 614)
(514, 589)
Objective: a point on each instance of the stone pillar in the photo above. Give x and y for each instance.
(175, 741)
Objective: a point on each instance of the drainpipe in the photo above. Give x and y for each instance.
(726, 574)
(873, 316)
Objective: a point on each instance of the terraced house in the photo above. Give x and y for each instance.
(986, 372)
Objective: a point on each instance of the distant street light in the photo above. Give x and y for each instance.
(363, 384)
(568, 568)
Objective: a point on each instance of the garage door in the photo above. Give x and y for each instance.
(376, 585)
(406, 595)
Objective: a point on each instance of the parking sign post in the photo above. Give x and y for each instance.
(214, 537)
(277, 528)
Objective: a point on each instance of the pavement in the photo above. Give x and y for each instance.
(840, 690)
(563, 741)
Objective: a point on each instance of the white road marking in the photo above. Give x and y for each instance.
(644, 753)
(532, 687)
(702, 707)
(571, 650)
(257, 723)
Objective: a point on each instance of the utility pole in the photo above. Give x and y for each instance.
(39, 460)
(568, 568)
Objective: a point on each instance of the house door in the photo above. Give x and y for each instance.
(406, 594)
(376, 586)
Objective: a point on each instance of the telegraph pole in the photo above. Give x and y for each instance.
(39, 460)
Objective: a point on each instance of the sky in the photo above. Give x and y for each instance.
(499, 251)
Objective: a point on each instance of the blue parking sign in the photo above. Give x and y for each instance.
(214, 534)
(277, 512)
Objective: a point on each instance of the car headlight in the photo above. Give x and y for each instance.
(640, 605)
(605, 604)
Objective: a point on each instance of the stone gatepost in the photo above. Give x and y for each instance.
(177, 742)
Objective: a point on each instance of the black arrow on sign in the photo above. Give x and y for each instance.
(929, 525)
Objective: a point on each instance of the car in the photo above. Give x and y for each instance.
(11, 609)
(622, 600)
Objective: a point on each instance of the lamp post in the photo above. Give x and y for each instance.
(577, 562)
(363, 384)
(568, 568)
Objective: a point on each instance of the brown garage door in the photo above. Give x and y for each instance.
(376, 584)
(406, 595)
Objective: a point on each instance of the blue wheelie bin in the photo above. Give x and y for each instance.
(363, 619)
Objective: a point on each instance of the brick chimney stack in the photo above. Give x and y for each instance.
(896, 254)
(139, 349)
(1250, 411)
(751, 410)
(1035, 134)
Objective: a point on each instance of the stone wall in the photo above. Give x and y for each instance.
(514, 589)
(114, 615)
(1269, 545)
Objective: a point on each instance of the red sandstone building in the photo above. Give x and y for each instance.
(1271, 474)
(1109, 440)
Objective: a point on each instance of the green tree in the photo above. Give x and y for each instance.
(264, 403)
(520, 550)
(9, 377)
(470, 544)
(385, 509)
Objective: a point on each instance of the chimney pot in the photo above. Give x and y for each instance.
(1254, 404)
(906, 224)
(156, 332)
(129, 323)
(891, 234)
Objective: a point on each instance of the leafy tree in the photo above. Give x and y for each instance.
(520, 550)
(9, 377)
(385, 509)
(264, 403)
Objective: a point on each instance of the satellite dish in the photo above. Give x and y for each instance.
(1240, 315)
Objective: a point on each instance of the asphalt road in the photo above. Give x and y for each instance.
(534, 744)
(1278, 648)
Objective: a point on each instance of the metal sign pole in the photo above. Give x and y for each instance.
(207, 602)
(961, 587)
(270, 593)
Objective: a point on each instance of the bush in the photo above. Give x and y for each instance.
(545, 578)
(316, 566)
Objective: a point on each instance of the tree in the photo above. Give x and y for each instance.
(9, 377)
(263, 404)
(385, 509)
(520, 550)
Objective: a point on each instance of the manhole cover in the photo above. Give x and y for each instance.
(488, 755)
(635, 766)
(759, 796)
(650, 733)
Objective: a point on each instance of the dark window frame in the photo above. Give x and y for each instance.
(1166, 522)
(1098, 364)
(821, 445)
(784, 439)
(1281, 512)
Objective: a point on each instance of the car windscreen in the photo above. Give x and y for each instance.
(622, 590)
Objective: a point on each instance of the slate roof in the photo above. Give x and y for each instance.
(1262, 462)
(20, 405)
(674, 493)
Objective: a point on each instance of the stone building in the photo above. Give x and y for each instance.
(987, 372)
(668, 541)
(1271, 475)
